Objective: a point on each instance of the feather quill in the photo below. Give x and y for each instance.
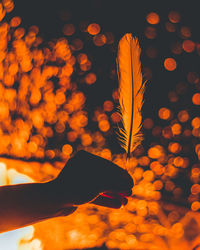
(131, 90)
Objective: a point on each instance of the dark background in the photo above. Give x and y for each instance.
(118, 17)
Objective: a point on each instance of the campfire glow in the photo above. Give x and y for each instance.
(40, 102)
(22, 238)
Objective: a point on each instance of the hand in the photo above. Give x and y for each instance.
(89, 178)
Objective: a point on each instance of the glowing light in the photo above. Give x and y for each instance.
(82, 58)
(106, 153)
(86, 139)
(108, 106)
(176, 129)
(15, 21)
(196, 122)
(67, 149)
(16, 239)
(2, 12)
(77, 44)
(196, 99)
(174, 147)
(155, 152)
(90, 78)
(193, 77)
(104, 125)
(170, 27)
(185, 32)
(183, 116)
(72, 136)
(188, 46)
(93, 29)
(164, 113)
(68, 29)
(99, 40)
(115, 117)
(109, 37)
(177, 48)
(195, 189)
(170, 64)
(195, 206)
(153, 18)
(174, 16)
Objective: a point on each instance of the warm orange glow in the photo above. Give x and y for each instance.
(178, 161)
(174, 16)
(72, 136)
(195, 189)
(148, 123)
(109, 37)
(188, 46)
(195, 206)
(185, 32)
(82, 58)
(158, 185)
(157, 168)
(93, 29)
(106, 153)
(144, 161)
(90, 78)
(86, 139)
(68, 29)
(2, 12)
(153, 18)
(108, 106)
(15, 21)
(183, 116)
(170, 27)
(155, 152)
(170, 64)
(104, 125)
(176, 129)
(174, 147)
(67, 149)
(99, 40)
(196, 99)
(115, 117)
(196, 122)
(193, 77)
(173, 97)
(77, 44)
(197, 148)
(36, 87)
(164, 113)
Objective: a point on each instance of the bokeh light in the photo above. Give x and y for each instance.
(51, 106)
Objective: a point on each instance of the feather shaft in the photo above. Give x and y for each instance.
(131, 90)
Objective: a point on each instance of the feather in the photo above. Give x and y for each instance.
(131, 90)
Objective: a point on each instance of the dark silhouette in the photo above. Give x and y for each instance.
(85, 178)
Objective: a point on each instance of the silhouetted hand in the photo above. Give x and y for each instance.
(89, 178)
(85, 178)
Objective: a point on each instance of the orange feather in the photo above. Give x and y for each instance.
(131, 90)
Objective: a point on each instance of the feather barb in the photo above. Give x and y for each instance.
(131, 90)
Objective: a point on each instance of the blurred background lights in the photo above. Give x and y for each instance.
(60, 94)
